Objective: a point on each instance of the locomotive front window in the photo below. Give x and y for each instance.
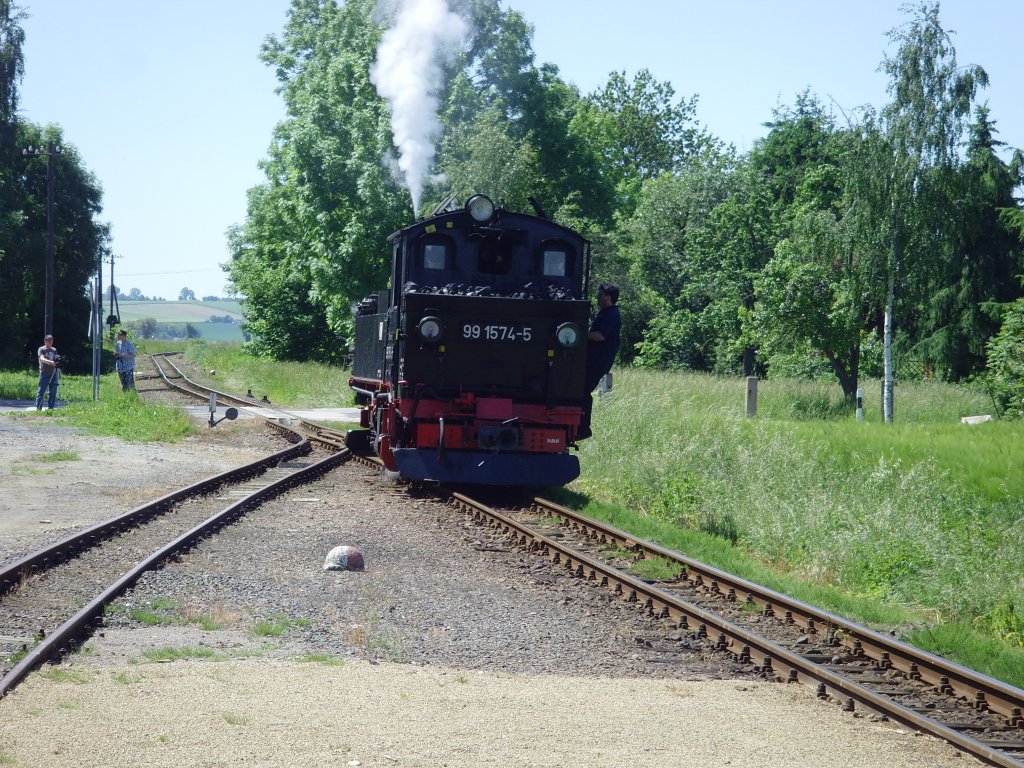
(438, 252)
(434, 256)
(555, 258)
(555, 263)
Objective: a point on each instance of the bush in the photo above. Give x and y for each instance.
(1005, 374)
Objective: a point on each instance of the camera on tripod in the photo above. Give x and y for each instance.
(56, 361)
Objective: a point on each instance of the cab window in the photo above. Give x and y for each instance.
(554, 263)
(438, 253)
(556, 258)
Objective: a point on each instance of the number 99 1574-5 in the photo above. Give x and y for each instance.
(496, 332)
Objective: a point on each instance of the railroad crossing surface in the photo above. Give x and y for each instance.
(344, 415)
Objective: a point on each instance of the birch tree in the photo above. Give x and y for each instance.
(904, 162)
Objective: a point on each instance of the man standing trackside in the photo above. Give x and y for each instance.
(602, 346)
(124, 360)
(49, 373)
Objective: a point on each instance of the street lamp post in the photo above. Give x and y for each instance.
(50, 151)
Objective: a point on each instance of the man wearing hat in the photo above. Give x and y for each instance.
(49, 373)
(124, 360)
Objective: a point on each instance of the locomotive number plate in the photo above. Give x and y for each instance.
(496, 332)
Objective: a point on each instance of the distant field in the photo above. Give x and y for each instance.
(219, 331)
(179, 311)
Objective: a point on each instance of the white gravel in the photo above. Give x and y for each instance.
(259, 713)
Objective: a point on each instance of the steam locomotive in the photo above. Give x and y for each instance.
(469, 368)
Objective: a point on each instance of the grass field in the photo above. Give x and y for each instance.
(220, 332)
(198, 314)
(179, 311)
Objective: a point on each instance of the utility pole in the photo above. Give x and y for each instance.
(50, 151)
(96, 328)
(114, 317)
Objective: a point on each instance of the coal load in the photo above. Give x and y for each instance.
(367, 306)
(534, 290)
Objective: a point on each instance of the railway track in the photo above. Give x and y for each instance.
(51, 598)
(777, 637)
(174, 378)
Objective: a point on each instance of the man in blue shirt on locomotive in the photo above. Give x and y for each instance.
(602, 346)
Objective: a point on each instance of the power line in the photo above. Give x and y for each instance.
(177, 272)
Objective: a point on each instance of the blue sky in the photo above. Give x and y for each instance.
(171, 109)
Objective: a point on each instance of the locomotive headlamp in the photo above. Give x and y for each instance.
(430, 329)
(480, 208)
(568, 334)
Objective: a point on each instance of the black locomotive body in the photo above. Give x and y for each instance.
(470, 367)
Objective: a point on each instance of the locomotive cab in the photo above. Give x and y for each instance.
(471, 366)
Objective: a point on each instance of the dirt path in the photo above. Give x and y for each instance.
(292, 714)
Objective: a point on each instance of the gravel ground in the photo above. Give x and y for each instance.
(450, 648)
(292, 714)
(99, 477)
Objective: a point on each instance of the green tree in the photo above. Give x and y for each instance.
(801, 139)
(1005, 374)
(13, 347)
(79, 240)
(147, 327)
(902, 168)
(186, 294)
(484, 156)
(1005, 364)
(726, 256)
(809, 295)
(957, 320)
(662, 318)
(639, 131)
(79, 243)
(12, 65)
(636, 138)
(275, 279)
(499, 91)
(315, 232)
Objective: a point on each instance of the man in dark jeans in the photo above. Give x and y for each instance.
(602, 346)
(124, 360)
(49, 373)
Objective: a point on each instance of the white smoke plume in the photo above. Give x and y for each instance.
(409, 73)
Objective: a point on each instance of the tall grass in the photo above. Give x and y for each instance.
(18, 385)
(927, 512)
(127, 416)
(23, 385)
(122, 414)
